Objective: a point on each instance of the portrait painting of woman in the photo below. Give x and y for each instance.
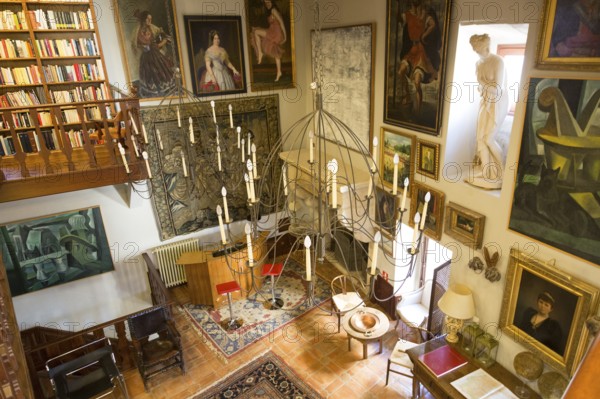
(215, 54)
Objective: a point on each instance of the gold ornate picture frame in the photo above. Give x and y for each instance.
(464, 225)
(395, 142)
(562, 338)
(428, 159)
(435, 210)
(570, 41)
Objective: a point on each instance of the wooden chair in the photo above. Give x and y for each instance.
(154, 356)
(86, 373)
(399, 357)
(345, 296)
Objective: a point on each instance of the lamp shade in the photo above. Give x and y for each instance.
(457, 302)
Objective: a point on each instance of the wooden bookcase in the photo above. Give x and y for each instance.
(60, 122)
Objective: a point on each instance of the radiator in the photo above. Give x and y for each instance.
(166, 258)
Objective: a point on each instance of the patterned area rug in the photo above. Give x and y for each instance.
(266, 377)
(258, 320)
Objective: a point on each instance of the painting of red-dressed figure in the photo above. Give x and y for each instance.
(270, 35)
(149, 47)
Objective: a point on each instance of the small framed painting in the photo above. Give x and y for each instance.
(464, 224)
(570, 41)
(386, 209)
(403, 144)
(216, 54)
(428, 159)
(435, 209)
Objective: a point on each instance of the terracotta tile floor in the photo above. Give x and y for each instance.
(308, 344)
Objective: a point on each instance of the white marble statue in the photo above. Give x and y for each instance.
(493, 108)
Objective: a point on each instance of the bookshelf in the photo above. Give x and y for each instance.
(61, 123)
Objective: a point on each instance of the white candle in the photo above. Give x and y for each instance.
(225, 207)
(159, 138)
(219, 157)
(145, 156)
(183, 165)
(416, 231)
(217, 135)
(248, 231)
(403, 203)
(135, 129)
(307, 252)
(144, 133)
(238, 130)
(424, 217)
(371, 177)
(212, 105)
(249, 143)
(376, 240)
(311, 153)
(178, 117)
(284, 177)
(395, 184)
(254, 167)
(135, 147)
(122, 151)
(375, 144)
(250, 180)
(243, 151)
(334, 169)
(221, 228)
(192, 140)
(247, 180)
(230, 116)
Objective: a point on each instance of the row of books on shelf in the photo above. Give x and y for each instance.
(20, 75)
(80, 94)
(10, 20)
(22, 98)
(73, 73)
(15, 48)
(54, 19)
(24, 119)
(30, 142)
(74, 47)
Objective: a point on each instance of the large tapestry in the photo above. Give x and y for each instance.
(189, 174)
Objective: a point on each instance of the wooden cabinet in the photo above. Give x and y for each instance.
(205, 270)
(60, 121)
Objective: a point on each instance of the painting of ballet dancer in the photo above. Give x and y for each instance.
(270, 35)
(56, 249)
(556, 197)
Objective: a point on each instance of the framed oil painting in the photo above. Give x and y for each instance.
(187, 182)
(570, 41)
(545, 310)
(270, 35)
(464, 225)
(555, 199)
(403, 144)
(56, 249)
(347, 79)
(386, 210)
(428, 159)
(415, 63)
(149, 46)
(435, 210)
(215, 51)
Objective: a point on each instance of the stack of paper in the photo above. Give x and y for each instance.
(480, 385)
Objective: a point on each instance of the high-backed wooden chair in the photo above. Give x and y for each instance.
(345, 295)
(159, 354)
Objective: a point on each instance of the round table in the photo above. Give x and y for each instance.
(375, 334)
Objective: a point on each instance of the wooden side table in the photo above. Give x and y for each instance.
(440, 387)
(365, 337)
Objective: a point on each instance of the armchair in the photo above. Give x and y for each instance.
(344, 295)
(415, 310)
(155, 355)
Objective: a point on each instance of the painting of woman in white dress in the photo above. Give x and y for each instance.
(215, 53)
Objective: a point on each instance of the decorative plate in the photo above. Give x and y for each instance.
(362, 321)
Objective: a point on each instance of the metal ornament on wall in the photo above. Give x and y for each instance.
(491, 261)
(192, 160)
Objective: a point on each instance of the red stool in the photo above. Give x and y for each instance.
(273, 270)
(228, 288)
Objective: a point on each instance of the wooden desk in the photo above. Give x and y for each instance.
(440, 387)
(204, 272)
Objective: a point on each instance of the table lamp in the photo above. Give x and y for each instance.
(457, 304)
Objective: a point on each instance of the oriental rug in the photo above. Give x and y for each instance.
(268, 376)
(258, 320)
